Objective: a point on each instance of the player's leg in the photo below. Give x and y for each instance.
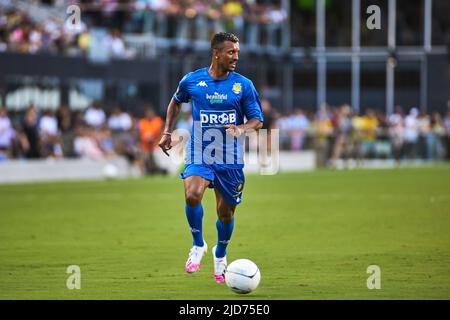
(194, 188)
(225, 226)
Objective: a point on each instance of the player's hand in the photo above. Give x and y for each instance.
(165, 143)
(233, 130)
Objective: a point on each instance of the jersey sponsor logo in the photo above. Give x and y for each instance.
(237, 88)
(202, 84)
(216, 97)
(217, 118)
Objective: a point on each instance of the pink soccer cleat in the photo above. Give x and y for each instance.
(219, 278)
(195, 256)
(220, 264)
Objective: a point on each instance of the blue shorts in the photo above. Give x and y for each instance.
(229, 182)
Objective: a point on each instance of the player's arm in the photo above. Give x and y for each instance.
(252, 110)
(250, 125)
(173, 110)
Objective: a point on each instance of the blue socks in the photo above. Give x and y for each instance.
(224, 232)
(195, 216)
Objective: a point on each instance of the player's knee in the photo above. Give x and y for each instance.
(226, 215)
(193, 197)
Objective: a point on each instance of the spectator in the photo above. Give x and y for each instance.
(49, 136)
(121, 125)
(233, 11)
(298, 125)
(424, 141)
(322, 130)
(105, 141)
(411, 133)
(214, 14)
(95, 116)
(116, 45)
(30, 129)
(253, 15)
(343, 143)
(283, 124)
(447, 132)
(150, 132)
(273, 19)
(7, 134)
(120, 121)
(265, 144)
(396, 134)
(369, 126)
(436, 137)
(86, 145)
(185, 119)
(66, 129)
(83, 41)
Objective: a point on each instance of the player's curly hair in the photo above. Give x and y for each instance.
(221, 37)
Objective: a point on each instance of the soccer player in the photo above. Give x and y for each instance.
(221, 101)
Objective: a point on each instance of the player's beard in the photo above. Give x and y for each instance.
(231, 65)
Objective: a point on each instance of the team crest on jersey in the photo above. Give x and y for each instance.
(217, 118)
(239, 187)
(237, 88)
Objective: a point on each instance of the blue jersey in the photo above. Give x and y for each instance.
(215, 103)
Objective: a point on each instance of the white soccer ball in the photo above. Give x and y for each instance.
(242, 276)
(110, 171)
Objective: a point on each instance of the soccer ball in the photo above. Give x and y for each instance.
(242, 276)
(110, 171)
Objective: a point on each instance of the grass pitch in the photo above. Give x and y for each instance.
(313, 235)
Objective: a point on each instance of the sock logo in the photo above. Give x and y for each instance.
(224, 241)
(193, 230)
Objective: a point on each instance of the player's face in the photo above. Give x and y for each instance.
(228, 56)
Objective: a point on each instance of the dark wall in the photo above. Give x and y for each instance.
(157, 79)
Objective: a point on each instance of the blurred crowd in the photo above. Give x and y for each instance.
(334, 133)
(20, 33)
(254, 23)
(91, 134)
(257, 23)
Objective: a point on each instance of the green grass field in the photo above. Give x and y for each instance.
(313, 235)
